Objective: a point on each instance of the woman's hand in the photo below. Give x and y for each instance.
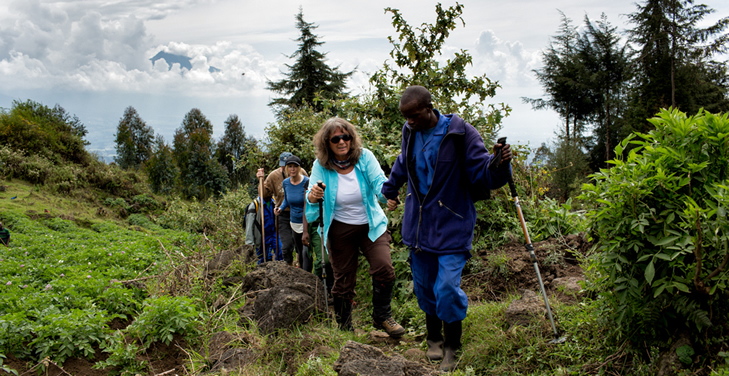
(277, 210)
(316, 193)
(305, 238)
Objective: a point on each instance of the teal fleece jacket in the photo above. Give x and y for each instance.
(370, 177)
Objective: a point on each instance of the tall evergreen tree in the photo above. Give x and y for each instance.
(674, 63)
(231, 148)
(134, 139)
(607, 62)
(566, 82)
(200, 174)
(161, 168)
(310, 76)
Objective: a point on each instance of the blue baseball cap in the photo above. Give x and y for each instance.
(282, 158)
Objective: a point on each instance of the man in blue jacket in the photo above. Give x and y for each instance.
(445, 164)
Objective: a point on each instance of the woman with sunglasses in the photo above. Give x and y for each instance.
(353, 220)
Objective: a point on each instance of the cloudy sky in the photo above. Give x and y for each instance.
(93, 56)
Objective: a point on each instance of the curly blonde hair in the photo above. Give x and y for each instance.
(321, 141)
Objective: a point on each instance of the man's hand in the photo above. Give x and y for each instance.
(392, 204)
(505, 152)
(305, 238)
(260, 174)
(277, 210)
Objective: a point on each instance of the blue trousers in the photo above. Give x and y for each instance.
(437, 284)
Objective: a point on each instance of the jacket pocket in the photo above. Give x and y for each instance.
(442, 205)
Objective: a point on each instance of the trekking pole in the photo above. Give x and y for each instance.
(323, 260)
(263, 223)
(528, 245)
(275, 256)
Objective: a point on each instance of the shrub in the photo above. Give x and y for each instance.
(141, 220)
(163, 317)
(220, 219)
(661, 228)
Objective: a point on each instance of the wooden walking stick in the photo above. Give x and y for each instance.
(263, 223)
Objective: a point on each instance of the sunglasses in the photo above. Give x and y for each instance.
(337, 138)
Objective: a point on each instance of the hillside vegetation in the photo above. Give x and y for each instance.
(104, 277)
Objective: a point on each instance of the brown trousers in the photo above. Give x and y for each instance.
(345, 242)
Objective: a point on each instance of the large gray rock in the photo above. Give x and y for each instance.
(281, 296)
(356, 359)
(568, 285)
(525, 310)
(234, 359)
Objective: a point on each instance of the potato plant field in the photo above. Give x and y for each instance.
(62, 285)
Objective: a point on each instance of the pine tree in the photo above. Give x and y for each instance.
(231, 148)
(607, 62)
(674, 63)
(310, 76)
(161, 168)
(565, 81)
(134, 139)
(200, 174)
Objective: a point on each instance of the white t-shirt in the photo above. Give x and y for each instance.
(349, 207)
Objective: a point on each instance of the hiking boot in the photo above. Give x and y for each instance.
(450, 361)
(435, 350)
(452, 333)
(343, 312)
(434, 338)
(392, 328)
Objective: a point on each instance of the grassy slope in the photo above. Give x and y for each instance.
(490, 346)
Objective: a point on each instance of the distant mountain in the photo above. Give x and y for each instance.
(183, 60)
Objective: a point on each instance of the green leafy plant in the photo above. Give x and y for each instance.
(315, 366)
(661, 226)
(5, 368)
(62, 335)
(123, 356)
(685, 354)
(498, 263)
(163, 317)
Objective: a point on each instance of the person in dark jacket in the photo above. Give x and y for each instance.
(253, 229)
(445, 163)
(4, 236)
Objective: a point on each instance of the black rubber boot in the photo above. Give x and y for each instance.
(381, 310)
(434, 338)
(343, 312)
(452, 343)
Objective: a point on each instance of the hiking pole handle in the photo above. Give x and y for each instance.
(320, 184)
(496, 162)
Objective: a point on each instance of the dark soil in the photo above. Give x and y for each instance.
(162, 359)
(509, 269)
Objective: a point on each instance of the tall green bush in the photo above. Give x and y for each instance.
(40, 130)
(661, 227)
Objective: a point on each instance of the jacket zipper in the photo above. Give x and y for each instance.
(417, 194)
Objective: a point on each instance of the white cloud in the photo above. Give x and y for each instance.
(506, 61)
